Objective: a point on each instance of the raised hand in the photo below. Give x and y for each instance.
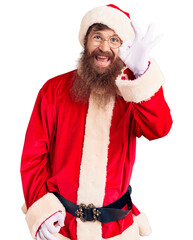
(135, 54)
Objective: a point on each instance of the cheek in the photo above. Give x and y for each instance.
(90, 47)
(115, 51)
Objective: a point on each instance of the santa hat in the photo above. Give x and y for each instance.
(110, 15)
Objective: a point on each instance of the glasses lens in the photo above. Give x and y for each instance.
(115, 42)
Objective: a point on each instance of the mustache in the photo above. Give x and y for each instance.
(98, 52)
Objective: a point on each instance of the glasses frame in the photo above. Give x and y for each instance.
(99, 42)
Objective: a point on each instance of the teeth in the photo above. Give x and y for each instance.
(102, 57)
(102, 60)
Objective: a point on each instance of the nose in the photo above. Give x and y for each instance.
(104, 46)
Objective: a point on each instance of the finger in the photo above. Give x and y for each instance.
(155, 41)
(122, 55)
(47, 234)
(58, 228)
(38, 236)
(59, 217)
(41, 234)
(149, 33)
(137, 30)
(53, 228)
(61, 220)
(126, 44)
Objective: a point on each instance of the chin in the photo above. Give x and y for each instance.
(101, 69)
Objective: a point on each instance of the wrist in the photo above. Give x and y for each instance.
(139, 72)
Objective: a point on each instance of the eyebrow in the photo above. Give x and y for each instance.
(99, 32)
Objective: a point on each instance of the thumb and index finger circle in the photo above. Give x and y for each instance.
(126, 44)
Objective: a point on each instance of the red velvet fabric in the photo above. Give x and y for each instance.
(54, 139)
(114, 6)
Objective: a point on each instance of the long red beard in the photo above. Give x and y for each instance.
(99, 80)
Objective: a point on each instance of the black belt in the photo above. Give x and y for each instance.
(106, 214)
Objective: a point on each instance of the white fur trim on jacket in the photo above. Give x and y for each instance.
(113, 18)
(143, 224)
(41, 210)
(142, 88)
(92, 180)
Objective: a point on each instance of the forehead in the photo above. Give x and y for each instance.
(103, 32)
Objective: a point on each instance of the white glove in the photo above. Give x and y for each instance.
(48, 228)
(136, 54)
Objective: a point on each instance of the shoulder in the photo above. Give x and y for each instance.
(57, 85)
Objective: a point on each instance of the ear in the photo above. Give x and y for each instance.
(85, 41)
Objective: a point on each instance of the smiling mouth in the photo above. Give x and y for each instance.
(102, 61)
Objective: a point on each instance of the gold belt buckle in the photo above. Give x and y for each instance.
(80, 211)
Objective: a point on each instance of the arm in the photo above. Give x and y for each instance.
(35, 156)
(153, 119)
(35, 167)
(151, 112)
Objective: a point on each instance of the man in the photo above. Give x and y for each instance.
(81, 139)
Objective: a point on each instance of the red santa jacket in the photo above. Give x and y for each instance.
(87, 153)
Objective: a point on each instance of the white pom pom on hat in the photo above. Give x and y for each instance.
(110, 15)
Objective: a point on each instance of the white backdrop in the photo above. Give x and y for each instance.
(39, 41)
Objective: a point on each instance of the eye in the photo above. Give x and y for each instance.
(97, 38)
(115, 40)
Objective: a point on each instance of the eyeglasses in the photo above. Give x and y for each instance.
(113, 41)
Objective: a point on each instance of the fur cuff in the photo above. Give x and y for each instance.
(144, 87)
(131, 233)
(60, 237)
(143, 224)
(41, 210)
(24, 208)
